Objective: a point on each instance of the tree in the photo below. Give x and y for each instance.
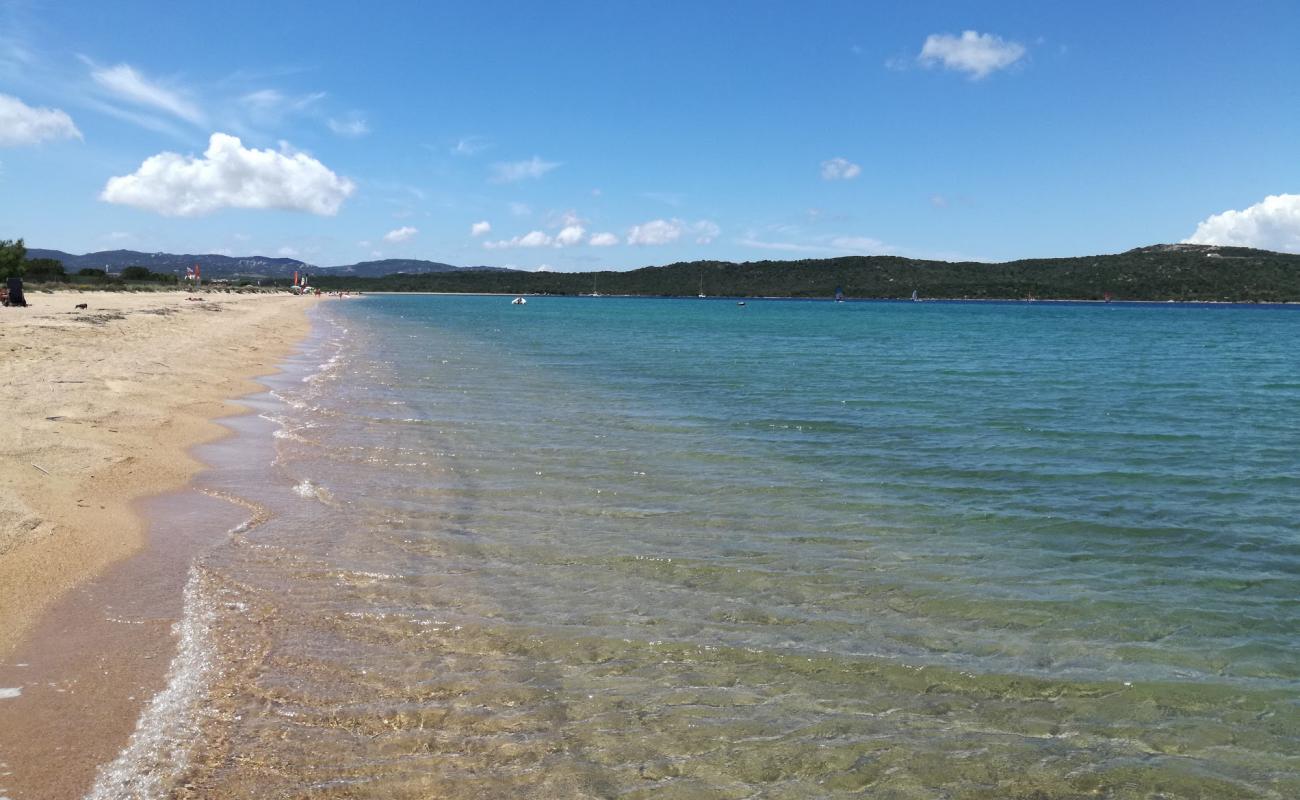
(45, 269)
(91, 272)
(136, 274)
(12, 255)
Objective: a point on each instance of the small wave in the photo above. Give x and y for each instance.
(159, 749)
(313, 491)
(298, 404)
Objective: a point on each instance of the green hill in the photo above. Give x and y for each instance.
(1159, 272)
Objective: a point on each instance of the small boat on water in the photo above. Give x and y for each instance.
(518, 301)
(839, 294)
(915, 298)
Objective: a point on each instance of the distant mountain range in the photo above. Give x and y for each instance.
(219, 266)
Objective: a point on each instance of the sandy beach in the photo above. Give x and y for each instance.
(102, 406)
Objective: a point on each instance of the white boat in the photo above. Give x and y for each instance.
(915, 299)
(518, 301)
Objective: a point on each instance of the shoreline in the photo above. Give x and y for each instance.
(108, 406)
(1004, 300)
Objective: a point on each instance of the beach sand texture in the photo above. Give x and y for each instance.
(100, 408)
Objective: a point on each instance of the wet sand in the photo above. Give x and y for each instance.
(102, 407)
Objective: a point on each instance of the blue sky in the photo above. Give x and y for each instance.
(619, 134)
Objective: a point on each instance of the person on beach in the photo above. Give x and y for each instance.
(14, 293)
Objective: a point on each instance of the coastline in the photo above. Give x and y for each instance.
(108, 405)
(103, 406)
(936, 299)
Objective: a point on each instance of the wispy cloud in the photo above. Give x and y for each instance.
(273, 101)
(673, 199)
(977, 54)
(514, 171)
(824, 245)
(840, 169)
(354, 125)
(126, 83)
(470, 145)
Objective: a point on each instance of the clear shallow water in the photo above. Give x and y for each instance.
(615, 548)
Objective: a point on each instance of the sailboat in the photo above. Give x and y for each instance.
(915, 298)
(839, 294)
(701, 294)
(594, 293)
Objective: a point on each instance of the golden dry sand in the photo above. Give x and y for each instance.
(100, 408)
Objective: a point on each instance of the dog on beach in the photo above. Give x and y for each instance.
(81, 306)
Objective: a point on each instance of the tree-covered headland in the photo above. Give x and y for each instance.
(1156, 273)
(1161, 272)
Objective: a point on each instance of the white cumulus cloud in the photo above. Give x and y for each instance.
(512, 171)
(570, 235)
(603, 240)
(978, 54)
(1271, 224)
(480, 228)
(230, 175)
(656, 231)
(124, 81)
(840, 169)
(667, 231)
(21, 124)
(401, 234)
(530, 239)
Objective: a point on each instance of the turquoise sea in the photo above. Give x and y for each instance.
(605, 547)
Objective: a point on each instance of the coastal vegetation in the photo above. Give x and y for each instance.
(1157, 273)
(1161, 272)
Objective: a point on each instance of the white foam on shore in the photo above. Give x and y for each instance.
(10, 693)
(168, 730)
(313, 491)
